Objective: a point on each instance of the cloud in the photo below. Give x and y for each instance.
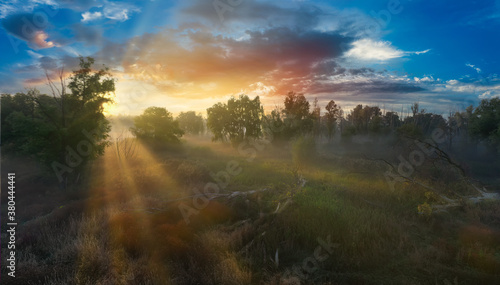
(371, 50)
(255, 13)
(198, 64)
(88, 16)
(424, 79)
(477, 69)
(184, 62)
(34, 54)
(40, 40)
(48, 63)
(26, 27)
(459, 93)
(303, 15)
(78, 5)
(9, 7)
(421, 52)
(260, 48)
(6, 10)
(118, 11)
(368, 49)
(88, 35)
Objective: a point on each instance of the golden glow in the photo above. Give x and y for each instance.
(123, 196)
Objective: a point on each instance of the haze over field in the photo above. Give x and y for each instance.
(191, 54)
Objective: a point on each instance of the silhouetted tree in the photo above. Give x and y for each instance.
(331, 116)
(485, 121)
(273, 124)
(298, 120)
(238, 120)
(65, 130)
(316, 118)
(157, 124)
(367, 118)
(391, 121)
(191, 123)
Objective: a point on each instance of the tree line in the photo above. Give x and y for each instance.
(67, 129)
(244, 118)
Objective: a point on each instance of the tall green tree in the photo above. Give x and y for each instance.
(68, 129)
(391, 121)
(316, 118)
(15, 109)
(237, 120)
(157, 124)
(330, 117)
(366, 118)
(298, 120)
(191, 123)
(485, 121)
(273, 126)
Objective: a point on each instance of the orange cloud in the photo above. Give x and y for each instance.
(199, 64)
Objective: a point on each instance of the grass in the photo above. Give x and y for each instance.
(123, 226)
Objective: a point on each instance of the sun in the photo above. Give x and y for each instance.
(109, 109)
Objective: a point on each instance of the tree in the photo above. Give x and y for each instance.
(274, 125)
(458, 124)
(391, 121)
(218, 121)
(485, 121)
(191, 123)
(316, 118)
(238, 120)
(66, 130)
(298, 120)
(356, 117)
(296, 106)
(331, 116)
(367, 118)
(14, 109)
(158, 125)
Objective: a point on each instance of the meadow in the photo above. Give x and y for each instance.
(303, 212)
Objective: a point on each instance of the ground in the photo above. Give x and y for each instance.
(271, 214)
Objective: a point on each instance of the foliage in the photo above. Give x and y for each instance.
(157, 124)
(485, 121)
(273, 125)
(298, 120)
(391, 121)
(331, 116)
(191, 123)
(365, 119)
(427, 122)
(238, 120)
(65, 130)
(316, 118)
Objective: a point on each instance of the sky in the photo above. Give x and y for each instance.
(189, 55)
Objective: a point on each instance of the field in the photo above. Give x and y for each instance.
(210, 213)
